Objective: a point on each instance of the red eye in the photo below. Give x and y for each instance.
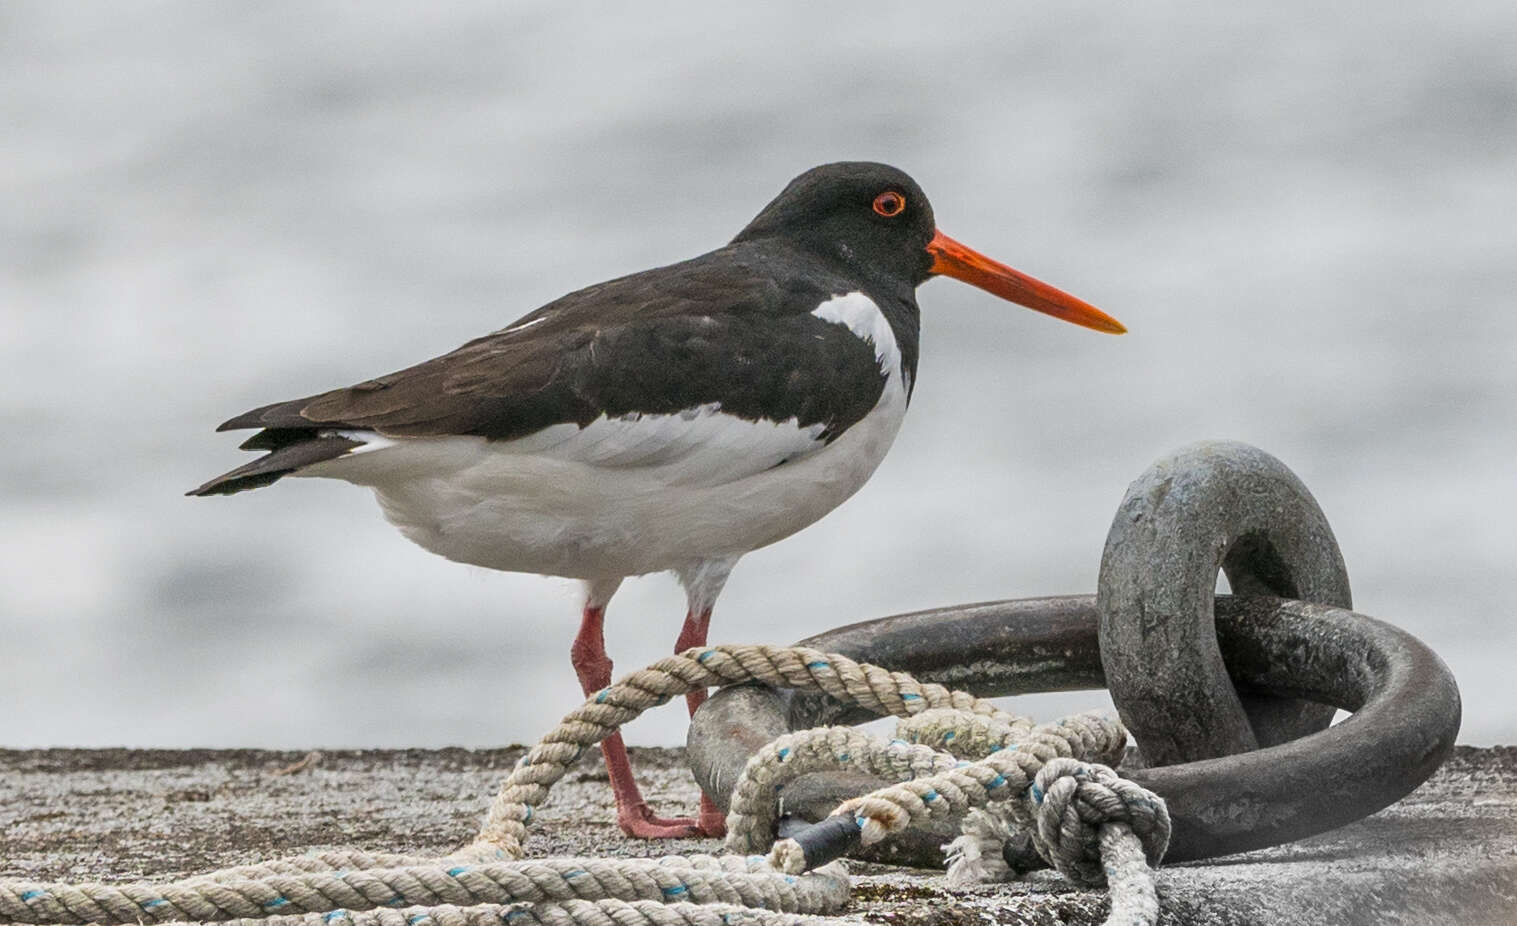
(890, 204)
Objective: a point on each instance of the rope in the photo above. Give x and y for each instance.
(954, 754)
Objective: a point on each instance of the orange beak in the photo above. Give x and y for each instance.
(955, 260)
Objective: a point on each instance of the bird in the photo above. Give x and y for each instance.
(670, 420)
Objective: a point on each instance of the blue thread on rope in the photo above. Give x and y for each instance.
(1037, 793)
(338, 914)
(675, 891)
(419, 918)
(396, 901)
(601, 698)
(908, 696)
(783, 753)
(28, 895)
(575, 873)
(154, 903)
(706, 655)
(276, 903)
(819, 664)
(949, 735)
(844, 757)
(996, 782)
(455, 872)
(931, 796)
(527, 818)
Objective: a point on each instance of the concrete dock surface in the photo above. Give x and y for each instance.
(1445, 854)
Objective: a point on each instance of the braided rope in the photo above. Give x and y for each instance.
(954, 753)
(605, 912)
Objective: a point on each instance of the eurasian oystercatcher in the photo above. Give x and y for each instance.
(673, 419)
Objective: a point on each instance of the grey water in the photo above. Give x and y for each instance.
(1305, 213)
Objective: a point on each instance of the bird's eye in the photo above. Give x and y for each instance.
(890, 204)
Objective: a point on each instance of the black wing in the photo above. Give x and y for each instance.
(718, 329)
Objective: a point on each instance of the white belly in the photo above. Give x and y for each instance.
(630, 496)
(528, 513)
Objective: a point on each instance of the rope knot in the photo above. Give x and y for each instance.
(1073, 801)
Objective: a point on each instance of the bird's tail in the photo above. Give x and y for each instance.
(282, 461)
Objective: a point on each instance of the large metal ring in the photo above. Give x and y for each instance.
(1173, 653)
(1210, 506)
(1404, 701)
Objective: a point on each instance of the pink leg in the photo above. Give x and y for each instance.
(593, 667)
(711, 821)
(690, 635)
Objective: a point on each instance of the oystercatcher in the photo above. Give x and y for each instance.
(673, 419)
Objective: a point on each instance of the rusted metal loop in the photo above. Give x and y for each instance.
(1405, 703)
(1209, 506)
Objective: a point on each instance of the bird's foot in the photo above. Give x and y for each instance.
(712, 823)
(637, 820)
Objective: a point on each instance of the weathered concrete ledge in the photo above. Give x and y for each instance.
(1446, 854)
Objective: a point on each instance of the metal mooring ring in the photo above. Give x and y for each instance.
(1405, 705)
(1404, 701)
(1209, 506)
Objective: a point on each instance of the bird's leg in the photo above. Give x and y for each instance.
(593, 666)
(711, 822)
(690, 635)
(703, 581)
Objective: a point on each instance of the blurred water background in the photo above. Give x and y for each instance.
(1306, 213)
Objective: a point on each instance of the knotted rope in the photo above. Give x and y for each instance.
(954, 753)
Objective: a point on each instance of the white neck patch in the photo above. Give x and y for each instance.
(859, 314)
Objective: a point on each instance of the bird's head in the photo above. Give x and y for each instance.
(876, 220)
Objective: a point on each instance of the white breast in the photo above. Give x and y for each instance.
(634, 494)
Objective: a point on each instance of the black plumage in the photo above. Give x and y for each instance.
(732, 327)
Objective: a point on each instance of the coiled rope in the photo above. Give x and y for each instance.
(954, 753)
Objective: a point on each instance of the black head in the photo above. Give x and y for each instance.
(871, 217)
(876, 221)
